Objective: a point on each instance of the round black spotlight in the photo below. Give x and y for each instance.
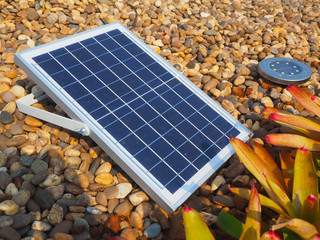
(284, 70)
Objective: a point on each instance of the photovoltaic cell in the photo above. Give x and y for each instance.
(169, 135)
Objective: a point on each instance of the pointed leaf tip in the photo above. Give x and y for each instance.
(313, 98)
(270, 236)
(303, 149)
(311, 198)
(187, 209)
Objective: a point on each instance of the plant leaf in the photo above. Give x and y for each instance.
(295, 120)
(194, 226)
(230, 224)
(292, 140)
(254, 164)
(287, 163)
(268, 160)
(270, 236)
(282, 197)
(315, 237)
(289, 235)
(269, 110)
(306, 99)
(302, 228)
(265, 201)
(252, 226)
(305, 185)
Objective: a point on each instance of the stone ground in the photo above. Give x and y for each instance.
(55, 184)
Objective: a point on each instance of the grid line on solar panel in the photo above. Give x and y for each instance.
(156, 98)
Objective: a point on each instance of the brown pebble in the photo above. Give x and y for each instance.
(33, 122)
(63, 236)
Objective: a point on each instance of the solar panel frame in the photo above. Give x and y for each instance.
(107, 142)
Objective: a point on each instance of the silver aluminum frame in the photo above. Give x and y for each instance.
(169, 202)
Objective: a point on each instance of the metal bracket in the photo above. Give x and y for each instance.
(24, 105)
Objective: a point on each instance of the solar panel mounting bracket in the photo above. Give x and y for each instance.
(24, 105)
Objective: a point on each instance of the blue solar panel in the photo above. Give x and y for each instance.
(167, 128)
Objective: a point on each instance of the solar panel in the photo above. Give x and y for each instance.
(157, 125)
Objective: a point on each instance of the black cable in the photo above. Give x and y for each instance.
(135, 19)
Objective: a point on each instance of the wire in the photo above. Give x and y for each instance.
(135, 19)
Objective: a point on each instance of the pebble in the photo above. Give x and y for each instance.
(152, 231)
(63, 236)
(26, 160)
(138, 197)
(8, 233)
(3, 159)
(39, 166)
(82, 180)
(123, 209)
(6, 118)
(144, 209)
(104, 168)
(80, 222)
(217, 182)
(56, 191)
(33, 122)
(8, 97)
(22, 197)
(136, 220)
(9, 207)
(41, 226)
(5, 221)
(234, 170)
(111, 192)
(94, 210)
(21, 220)
(56, 214)
(63, 227)
(44, 199)
(104, 179)
(102, 199)
(123, 189)
(51, 180)
(223, 200)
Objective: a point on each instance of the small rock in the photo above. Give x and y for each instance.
(223, 200)
(123, 209)
(51, 180)
(9, 207)
(56, 214)
(80, 222)
(124, 189)
(5, 221)
(3, 159)
(129, 233)
(41, 226)
(4, 180)
(63, 236)
(72, 153)
(144, 209)
(101, 199)
(56, 191)
(234, 170)
(138, 197)
(82, 180)
(33, 122)
(104, 168)
(111, 192)
(104, 179)
(136, 220)
(217, 182)
(39, 178)
(22, 198)
(152, 231)
(33, 15)
(26, 160)
(94, 210)
(44, 199)
(16, 141)
(8, 233)
(39, 166)
(21, 220)
(6, 118)
(63, 227)
(8, 97)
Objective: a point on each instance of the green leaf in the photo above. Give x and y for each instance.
(230, 224)
(305, 187)
(290, 235)
(195, 227)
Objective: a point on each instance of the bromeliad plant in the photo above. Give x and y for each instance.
(295, 197)
(252, 227)
(306, 132)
